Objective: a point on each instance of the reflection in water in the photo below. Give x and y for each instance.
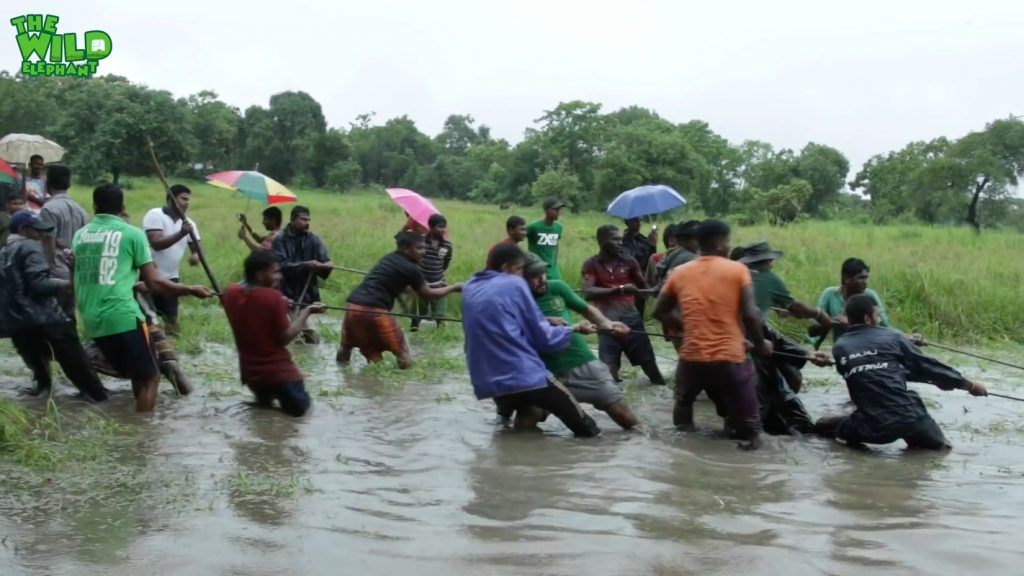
(269, 468)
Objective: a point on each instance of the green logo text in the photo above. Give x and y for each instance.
(44, 52)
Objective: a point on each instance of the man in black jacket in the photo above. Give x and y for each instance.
(876, 363)
(304, 262)
(39, 329)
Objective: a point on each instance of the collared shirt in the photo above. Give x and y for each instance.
(294, 250)
(436, 259)
(833, 304)
(168, 260)
(611, 273)
(505, 333)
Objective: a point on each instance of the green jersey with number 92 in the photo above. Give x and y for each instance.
(108, 255)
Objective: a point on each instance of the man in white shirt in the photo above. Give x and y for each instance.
(168, 231)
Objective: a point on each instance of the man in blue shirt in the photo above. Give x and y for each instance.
(505, 334)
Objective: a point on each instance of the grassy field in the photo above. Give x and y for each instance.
(948, 283)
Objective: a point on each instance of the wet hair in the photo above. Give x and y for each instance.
(436, 220)
(299, 211)
(108, 199)
(505, 255)
(58, 177)
(34, 156)
(407, 238)
(710, 232)
(257, 262)
(852, 267)
(514, 222)
(668, 234)
(605, 232)
(179, 189)
(274, 213)
(687, 230)
(858, 308)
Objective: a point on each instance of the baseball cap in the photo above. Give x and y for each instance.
(534, 266)
(23, 218)
(552, 203)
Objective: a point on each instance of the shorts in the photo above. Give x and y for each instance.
(372, 331)
(166, 306)
(922, 433)
(128, 353)
(431, 308)
(636, 347)
(592, 383)
(731, 386)
(292, 397)
(554, 398)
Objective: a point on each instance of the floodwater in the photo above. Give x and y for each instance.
(415, 478)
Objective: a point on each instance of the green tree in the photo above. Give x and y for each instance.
(825, 169)
(327, 151)
(572, 134)
(215, 126)
(559, 182)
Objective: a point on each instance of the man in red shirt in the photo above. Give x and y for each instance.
(612, 281)
(258, 315)
(515, 226)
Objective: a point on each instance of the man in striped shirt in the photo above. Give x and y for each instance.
(436, 259)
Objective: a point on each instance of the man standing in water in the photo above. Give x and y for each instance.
(437, 257)
(543, 236)
(586, 377)
(640, 248)
(39, 329)
(167, 229)
(505, 332)
(612, 282)
(258, 315)
(876, 363)
(109, 257)
(716, 304)
(515, 227)
(66, 217)
(304, 262)
(367, 325)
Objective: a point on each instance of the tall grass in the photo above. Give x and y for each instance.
(945, 282)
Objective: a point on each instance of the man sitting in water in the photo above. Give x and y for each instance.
(583, 374)
(505, 334)
(258, 315)
(367, 325)
(876, 363)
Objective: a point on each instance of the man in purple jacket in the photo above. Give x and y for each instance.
(505, 333)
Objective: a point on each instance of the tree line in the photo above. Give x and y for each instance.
(576, 151)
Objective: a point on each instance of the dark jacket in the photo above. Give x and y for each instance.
(29, 292)
(638, 247)
(876, 363)
(674, 259)
(293, 250)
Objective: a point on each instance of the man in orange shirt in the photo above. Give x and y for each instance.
(716, 306)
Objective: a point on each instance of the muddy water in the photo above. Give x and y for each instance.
(391, 478)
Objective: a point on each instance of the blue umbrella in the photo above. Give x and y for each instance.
(644, 201)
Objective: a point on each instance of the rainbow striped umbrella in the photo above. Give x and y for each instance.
(254, 185)
(7, 174)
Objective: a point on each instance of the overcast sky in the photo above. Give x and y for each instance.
(863, 76)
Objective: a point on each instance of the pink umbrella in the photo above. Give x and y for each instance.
(417, 207)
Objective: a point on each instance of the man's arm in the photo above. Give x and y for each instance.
(289, 268)
(752, 321)
(244, 237)
(159, 241)
(37, 275)
(923, 368)
(427, 292)
(588, 311)
(296, 327)
(155, 282)
(820, 329)
(592, 292)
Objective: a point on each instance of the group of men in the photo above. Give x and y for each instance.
(523, 348)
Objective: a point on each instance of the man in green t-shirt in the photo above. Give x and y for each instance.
(543, 236)
(770, 292)
(576, 367)
(110, 255)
